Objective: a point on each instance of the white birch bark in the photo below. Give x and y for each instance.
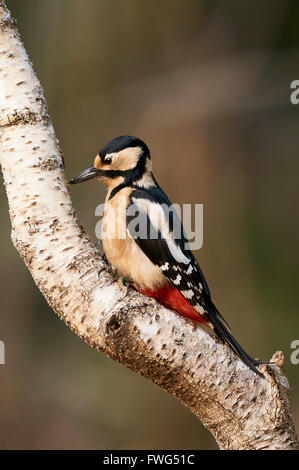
(242, 410)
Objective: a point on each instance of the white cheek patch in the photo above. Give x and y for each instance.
(127, 158)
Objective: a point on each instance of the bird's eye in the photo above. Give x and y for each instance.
(108, 160)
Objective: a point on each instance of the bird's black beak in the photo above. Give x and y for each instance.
(86, 175)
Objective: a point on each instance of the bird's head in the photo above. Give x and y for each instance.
(125, 159)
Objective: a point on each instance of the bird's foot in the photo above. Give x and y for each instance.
(123, 283)
(106, 266)
(112, 270)
(104, 259)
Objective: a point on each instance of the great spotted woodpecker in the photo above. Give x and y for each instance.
(158, 264)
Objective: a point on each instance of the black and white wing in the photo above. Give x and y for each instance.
(173, 256)
(163, 240)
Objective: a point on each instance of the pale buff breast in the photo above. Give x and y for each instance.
(121, 250)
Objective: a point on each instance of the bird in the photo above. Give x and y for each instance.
(158, 261)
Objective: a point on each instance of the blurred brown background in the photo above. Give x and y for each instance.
(207, 85)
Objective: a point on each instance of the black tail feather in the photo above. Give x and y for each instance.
(224, 335)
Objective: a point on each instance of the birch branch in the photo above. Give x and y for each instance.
(242, 410)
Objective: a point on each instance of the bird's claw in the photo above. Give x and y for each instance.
(112, 270)
(106, 264)
(123, 281)
(104, 259)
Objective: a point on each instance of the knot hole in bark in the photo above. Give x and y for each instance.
(113, 325)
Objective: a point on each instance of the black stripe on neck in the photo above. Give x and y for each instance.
(117, 189)
(130, 176)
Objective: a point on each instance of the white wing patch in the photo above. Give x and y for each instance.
(199, 308)
(158, 219)
(178, 279)
(190, 269)
(165, 267)
(177, 252)
(154, 212)
(189, 294)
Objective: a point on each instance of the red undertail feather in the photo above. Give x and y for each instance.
(171, 298)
